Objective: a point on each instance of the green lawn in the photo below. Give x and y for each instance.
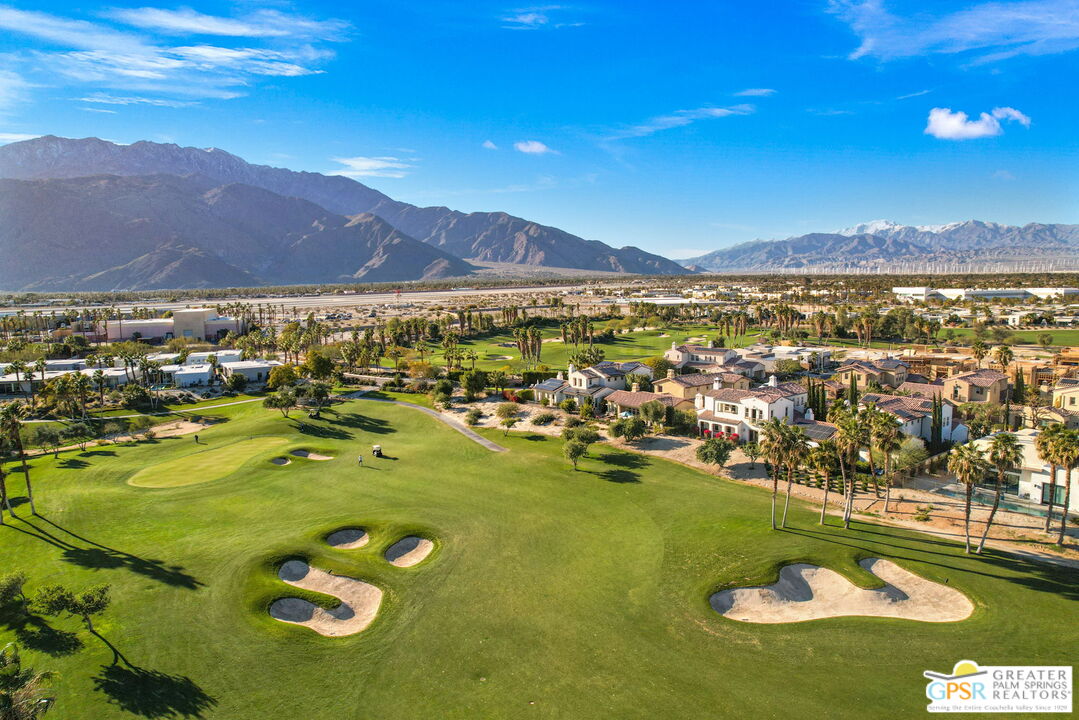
(552, 593)
(205, 462)
(631, 346)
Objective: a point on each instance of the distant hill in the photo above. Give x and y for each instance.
(887, 246)
(484, 236)
(165, 231)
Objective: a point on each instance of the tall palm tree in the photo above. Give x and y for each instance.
(99, 383)
(773, 447)
(979, 351)
(1068, 454)
(848, 441)
(21, 688)
(797, 445)
(886, 431)
(11, 417)
(824, 459)
(1005, 454)
(969, 465)
(1004, 356)
(19, 369)
(5, 501)
(1046, 445)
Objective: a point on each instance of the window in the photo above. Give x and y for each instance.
(1059, 494)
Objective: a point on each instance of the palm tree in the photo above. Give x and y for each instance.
(886, 431)
(11, 417)
(99, 382)
(5, 501)
(1005, 453)
(1046, 445)
(1004, 356)
(969, 465)
(848, 440)
(773, 447)
(824, 459)
(1068, 453)
(979, 351)
(21, 688)
(18, 367)
(797, 446)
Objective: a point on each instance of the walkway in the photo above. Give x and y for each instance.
(463, 429)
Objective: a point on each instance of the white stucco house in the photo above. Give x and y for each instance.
(1031, 480)
(916, 414)
(256, 371)
(743, 412)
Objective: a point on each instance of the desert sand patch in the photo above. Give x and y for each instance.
(308, 455)
(808, 592)
(409, 551)
(348, 538)
(359, 601)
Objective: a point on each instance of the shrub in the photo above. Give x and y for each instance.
(472, 417)
(545, 418)
(236, 382)
(573, 422)
(582, 433)
(525, 395)
(574, 450)
(507, 410)
(568, 405)
(630, 429)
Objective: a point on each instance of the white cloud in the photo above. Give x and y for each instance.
(680, 118)
(1003, 175)
(360, 166)
(98, 110)
(947, 125)
(489, 145)
(536, 18)
(100, 56)
(6, 138)
(533, 147)
(263, 23)
(104, 99)
(989, 31)
(919, 93)
(755, 92)
(13, 90)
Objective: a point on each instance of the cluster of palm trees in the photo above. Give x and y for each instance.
(787, 449)
(1056, 445)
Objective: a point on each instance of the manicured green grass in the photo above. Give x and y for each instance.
(414, 398)
(1061, 336)
(631, 346)
(552, 593)
(204, 464)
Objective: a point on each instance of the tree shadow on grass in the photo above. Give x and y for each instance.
(533, 437)
(152, 693)
(95, 453)
(363, 423)
(616, 475)
(321, 431)
(70, 463)
(95, 556)
(631, 461)
(34, 632)
(1036, 575)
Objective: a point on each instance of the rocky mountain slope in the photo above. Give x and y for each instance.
(165, 231)
(486, 236)
(886, 245)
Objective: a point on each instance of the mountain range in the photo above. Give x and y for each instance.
(88, 214)
(888, 246)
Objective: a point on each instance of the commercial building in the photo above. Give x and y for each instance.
(912, 294)
(195, 324)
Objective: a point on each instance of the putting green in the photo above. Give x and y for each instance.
(203, 465)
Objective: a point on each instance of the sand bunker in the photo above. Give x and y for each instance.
(359, 601)
(809, 592)
(409, 551)
(348, 538)
(280, 461)
(307, 454)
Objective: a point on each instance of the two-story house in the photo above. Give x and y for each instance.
(596, 382)
(982, 385)
(687, 386)
(743, 412)
(1030, 481)
(887, 372)
(916, 415)
(699, 358)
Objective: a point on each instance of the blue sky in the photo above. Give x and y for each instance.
(678, 127)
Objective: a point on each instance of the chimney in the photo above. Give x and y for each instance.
(772, 382)
(717, 384)
(711, 343)
(572, 367)
(673, 344)
(561, 376)
(809, 414)
(636, 387)
(670, 373)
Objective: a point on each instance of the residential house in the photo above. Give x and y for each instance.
(1031, 480)
(916, 416)
(628, 402)
(885, 372)
(1066, 393)
(686, 386)
(977, 386)
(596, 382)
(187, 375)
(743, 412)
(699, 358)
(256, 371)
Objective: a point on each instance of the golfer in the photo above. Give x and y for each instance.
(359, 460)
